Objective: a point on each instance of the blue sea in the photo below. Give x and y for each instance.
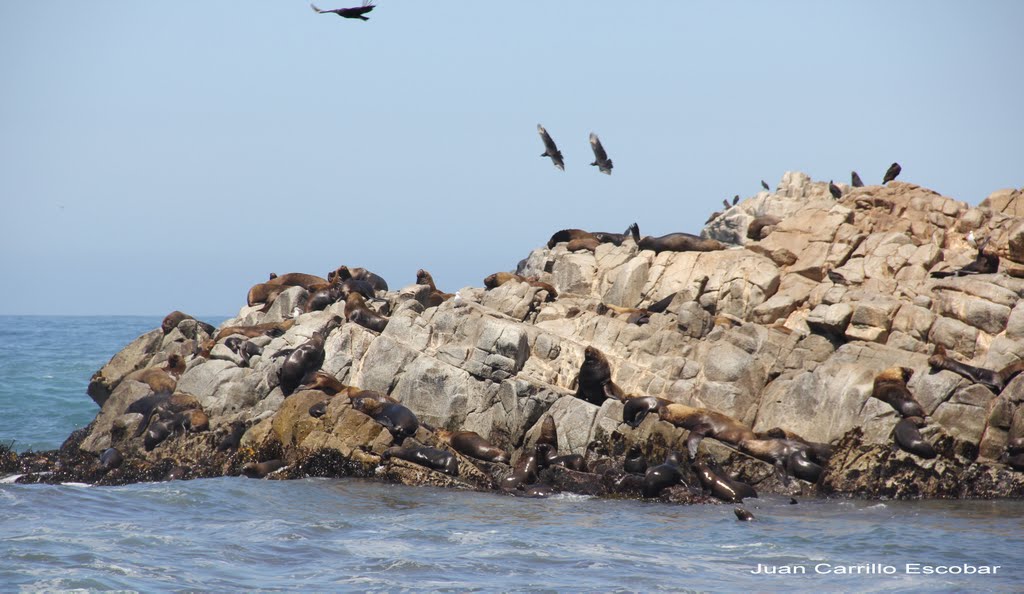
(236, 534)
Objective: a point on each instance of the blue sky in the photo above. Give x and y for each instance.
(162, 156)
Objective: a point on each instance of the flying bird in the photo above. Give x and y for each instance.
(891, 173)
(355, 12)
(764, 185)
(834, 190)
(855, 180)
(601, 160)
(551, 150)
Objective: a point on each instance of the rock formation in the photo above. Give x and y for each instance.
(785, 331)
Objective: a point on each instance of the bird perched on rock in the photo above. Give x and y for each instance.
(764, 184)
(550, 148)
(855, 180)
(891, 173)
(735, 199)
(355, 12)
(834, 190)
(601, 160)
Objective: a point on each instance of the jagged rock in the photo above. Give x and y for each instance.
(131, 358)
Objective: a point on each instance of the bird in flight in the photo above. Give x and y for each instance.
(601, 160)
(550, 149)
(356, 12)
(891, 173)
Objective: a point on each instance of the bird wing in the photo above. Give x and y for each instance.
(549, 144)
(595, 143)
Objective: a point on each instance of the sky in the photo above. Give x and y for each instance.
(158, 157)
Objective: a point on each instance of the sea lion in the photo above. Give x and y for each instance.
(601, 160)
(176, 473)
(660, 477)
(310, 282)
(266, 329)
(761, 226)
(594, 382)
(497, 279)
(721, 485)
(547, 457)
(680, 242)
(260, 470)
(548, 433)
(305, 359)
(636, 409)
(265, 294)
(800, 465)
(156, 378)
(328, 384)
(321, 299)
(891, 173)
(584, 244)
(890, 386)
(638, 315)
(172, 320)
(357, 311)
(713, 424)
(156, 434)
(743, 515)
(985, 262)
(192, 420)
(566, 235)
(436, 297)
(110, 459)
(993, 380)
(233, 437)
(360, 274)
(470, 443)
(246, 349)
(525, 471)
(396, 418)
(319, 409)
(432, 458)
(817, 451)
(635, 462)
(789, 457)
(909, 438)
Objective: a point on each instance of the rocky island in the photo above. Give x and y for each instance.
(863, 341)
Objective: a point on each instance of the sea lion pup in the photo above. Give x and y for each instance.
(266, 329)
(634, 461)
(396, 418)
(566, 235)
(680, 242)
(890, 387)
(909, 438)
(721, 485)
(156, 434)
(245, 349)
(110, 459)
(233, 437)
(436, 297)
(470, 443)
(193, 420)
(594, 382)
(260, 470)
(320, 299)
(756, 230)
(743, 515)
(432, 458)
(357, 311)
(360, 274)
(305, 359)
(891, 173)
(660, 477)
(493, 281)
(524, 473)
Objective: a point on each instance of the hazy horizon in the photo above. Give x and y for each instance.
(162, 158)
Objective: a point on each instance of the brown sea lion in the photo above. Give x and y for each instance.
(594, 382)
(638, 315)
(436, 297)
(362, 274)
(909, 438)
(471, 444)
(566, 235)
(721, 485)
(306, 359)
(524, 473)
(174, 365)
(584, 243)
(711, 423)
(497, 279)
(266, 329)
(818, 452)
(310, 282)
(680, 242)
(264, 293)
(357, 311)
(432, 458)
(548, 433)
(993, 380)
(192, 420)
(761, 226)
(396, 418)
(156, 378)
(262, 469)
(890, 387)
(172, 320)
(328, 384)
(789, 457)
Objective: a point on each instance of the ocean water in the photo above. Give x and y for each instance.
(236, 534)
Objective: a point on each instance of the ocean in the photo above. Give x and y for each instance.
(236, 534)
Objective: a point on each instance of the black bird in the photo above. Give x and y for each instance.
(356, 12)
(764, 185)
(601, 160)
(735, 199)
(550, 149)
(855, 180)
(726, 204)
(891, 173)
(834, 190)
